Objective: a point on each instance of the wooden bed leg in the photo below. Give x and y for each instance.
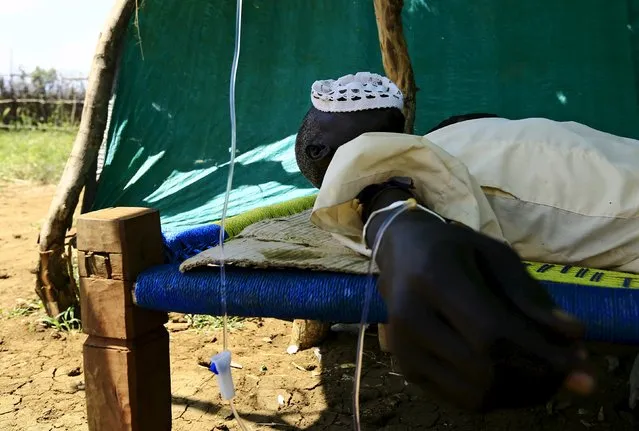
(126, 356)
(382, 337)
(307, 333)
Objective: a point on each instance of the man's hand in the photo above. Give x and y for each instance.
(467, 321)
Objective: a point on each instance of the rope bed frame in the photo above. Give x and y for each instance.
(126, 290)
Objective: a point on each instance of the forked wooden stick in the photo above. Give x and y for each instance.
(52, 284)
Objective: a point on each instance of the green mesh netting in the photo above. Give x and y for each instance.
(169, 138)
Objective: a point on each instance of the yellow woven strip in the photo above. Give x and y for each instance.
(583, 276)
(556, 273)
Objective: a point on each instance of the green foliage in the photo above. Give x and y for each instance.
(203, 322)
(24, 308)
(34, 155)
(43, 81)
(65, 321)
(40, 98)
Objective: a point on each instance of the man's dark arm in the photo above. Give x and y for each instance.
(466, 320)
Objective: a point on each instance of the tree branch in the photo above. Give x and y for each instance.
(52, 284)
(397, 64)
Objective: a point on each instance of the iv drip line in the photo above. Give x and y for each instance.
(229, 183)
(404, 206)
(221, 363)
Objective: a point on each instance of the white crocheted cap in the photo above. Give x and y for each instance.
(358, 92)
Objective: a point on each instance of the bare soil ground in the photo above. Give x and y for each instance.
(41, 378)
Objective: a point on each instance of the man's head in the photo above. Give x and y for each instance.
(345, 108)
(342, 110)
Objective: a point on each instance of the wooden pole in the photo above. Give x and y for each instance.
(53, 280)
(306, 334)
(397, 64)
(126, 356)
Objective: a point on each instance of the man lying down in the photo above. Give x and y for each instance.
(466, 320)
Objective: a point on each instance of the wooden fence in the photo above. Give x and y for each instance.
(29, 101)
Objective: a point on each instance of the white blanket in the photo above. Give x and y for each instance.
(558, 192)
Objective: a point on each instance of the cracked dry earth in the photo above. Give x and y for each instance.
(42, 381)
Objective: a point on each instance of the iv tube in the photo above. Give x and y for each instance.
(229, 183)
(229, 187)
(406, 205)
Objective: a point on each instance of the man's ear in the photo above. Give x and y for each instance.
(317, 152)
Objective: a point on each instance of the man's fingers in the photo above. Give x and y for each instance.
(550, 333)
(580, 383)
(524, 333)
(566, 361)
(441, 380)
(502, 266)
(418, 330)
(569, 320)
(455, 288)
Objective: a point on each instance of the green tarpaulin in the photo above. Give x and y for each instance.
(169, 136)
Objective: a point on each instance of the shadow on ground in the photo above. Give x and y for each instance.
(387, 403)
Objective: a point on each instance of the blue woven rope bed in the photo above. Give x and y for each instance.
(178, 163)
(607, 301)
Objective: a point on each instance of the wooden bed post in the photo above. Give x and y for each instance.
(126, 356)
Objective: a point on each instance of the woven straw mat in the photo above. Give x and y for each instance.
(291, 242)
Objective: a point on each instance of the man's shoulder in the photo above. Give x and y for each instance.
(382, 139)
(531, 125)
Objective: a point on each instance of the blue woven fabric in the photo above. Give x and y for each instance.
(258, 293)
(180, 245)
(611, 314)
